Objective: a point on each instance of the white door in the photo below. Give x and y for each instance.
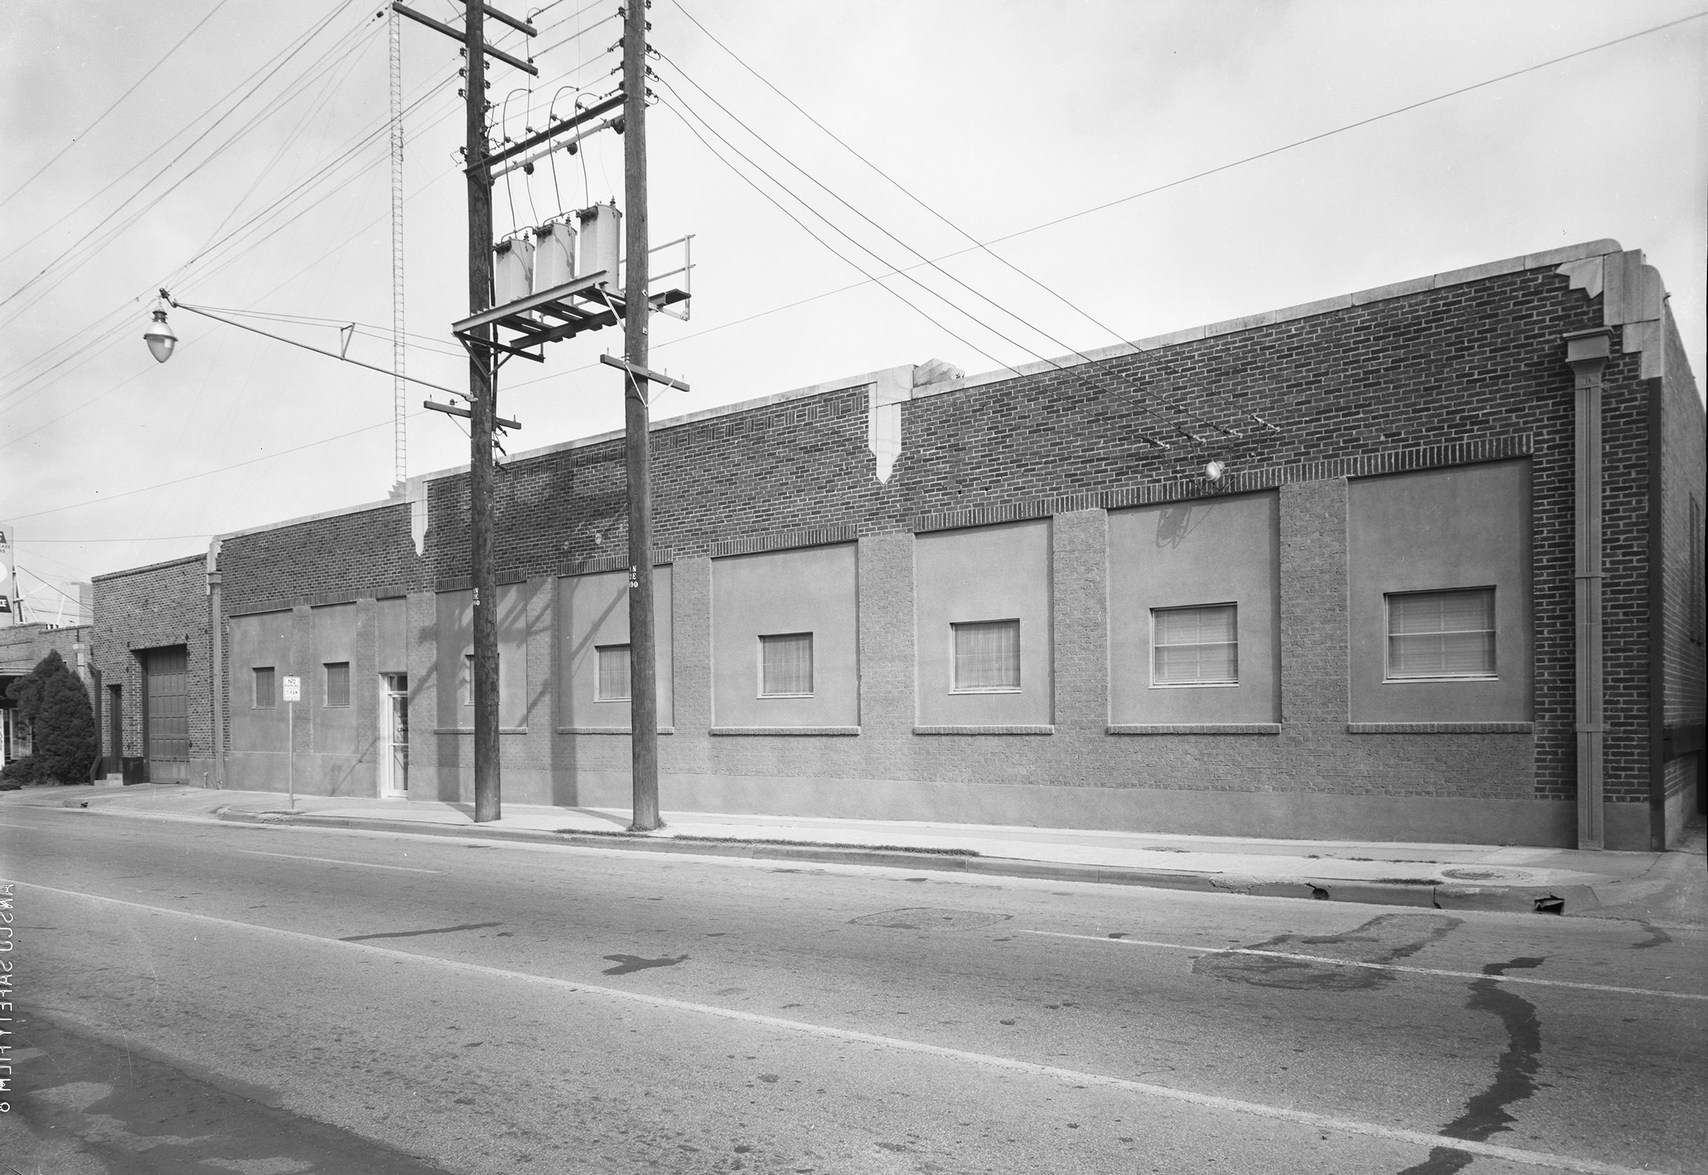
(394, 716)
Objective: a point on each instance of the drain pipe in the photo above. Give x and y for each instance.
(1586, 354)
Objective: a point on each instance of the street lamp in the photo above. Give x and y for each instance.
(159, 336)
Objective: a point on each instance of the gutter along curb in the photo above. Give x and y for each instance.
(1413, 892)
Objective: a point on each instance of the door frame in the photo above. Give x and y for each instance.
(394, 689)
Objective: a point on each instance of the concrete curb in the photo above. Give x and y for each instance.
(1421, 892)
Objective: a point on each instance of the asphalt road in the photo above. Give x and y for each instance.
(194, 996)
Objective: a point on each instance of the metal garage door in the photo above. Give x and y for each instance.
(166, 713)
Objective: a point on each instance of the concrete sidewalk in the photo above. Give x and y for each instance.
(1665, 889)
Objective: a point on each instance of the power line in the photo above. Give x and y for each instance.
(920, 202)
(908, 276)
(386, 423)
(281, 62)
(932, 264)
(115, 105)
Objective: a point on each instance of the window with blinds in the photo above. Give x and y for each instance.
(265, 685)
(1195, 646)
(986, 656)
(611, 683)
(1441, 634)
(337, 684)
(785, 665)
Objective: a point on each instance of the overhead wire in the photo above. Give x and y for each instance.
(938, 268)
(116, 103)
(386, 423)
(110, 232)
(871, 277)
(904, 190)
(1268, 153)
(73, 343)
(905, 274)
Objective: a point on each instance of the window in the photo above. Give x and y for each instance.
(1195, 646)
(785, 665)
(1441, 634)
(986, 655)
(337, 683)
(265, 697)
(468, 678)
(613, 681)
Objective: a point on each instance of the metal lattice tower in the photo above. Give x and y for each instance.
(399, 426)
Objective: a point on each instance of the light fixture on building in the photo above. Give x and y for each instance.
(159, 336)
(1214, 470)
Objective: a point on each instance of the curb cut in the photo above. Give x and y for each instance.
(1422, 892)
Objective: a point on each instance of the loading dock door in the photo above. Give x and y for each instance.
(166, 714)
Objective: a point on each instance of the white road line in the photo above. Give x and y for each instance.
(337, 861)
(1420, 1138)
(1527, 979)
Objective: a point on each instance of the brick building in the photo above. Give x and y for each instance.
(1417, 563)
(152, 654)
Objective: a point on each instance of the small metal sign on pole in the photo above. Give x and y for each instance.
(293, 695)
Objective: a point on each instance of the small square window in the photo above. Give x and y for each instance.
(337, 683)
(266, 696)
(1441, 634)
(1195, 646)
(612, 684)
(986, 656)
(785, 665)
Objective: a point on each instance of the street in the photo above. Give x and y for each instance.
(191, 995)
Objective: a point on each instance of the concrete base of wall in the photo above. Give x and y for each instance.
(1277, 815)
(1682, 806)
(1626, 828)
(316, 774)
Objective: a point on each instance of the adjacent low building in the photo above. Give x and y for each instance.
(22, 647)
(1418, 563)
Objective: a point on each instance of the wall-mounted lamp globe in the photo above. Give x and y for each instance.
(1214, 470)
(160, 338)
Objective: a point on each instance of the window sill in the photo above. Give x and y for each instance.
(1011, 729)
(784, 731)
(1440, 728)
(1194, 728)
(469, 730)
(623, 730)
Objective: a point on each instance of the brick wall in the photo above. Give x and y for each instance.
(1682, 627)
(1430, 376)
(148, 608)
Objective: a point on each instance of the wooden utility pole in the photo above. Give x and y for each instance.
(643, 684)
(482, 391)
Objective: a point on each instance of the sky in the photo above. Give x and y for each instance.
(1134, 167)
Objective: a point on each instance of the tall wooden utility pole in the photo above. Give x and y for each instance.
(481, 393)
(643, 684)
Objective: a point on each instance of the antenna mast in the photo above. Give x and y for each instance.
(399, 429)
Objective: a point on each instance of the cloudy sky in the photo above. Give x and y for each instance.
(1156, 163)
